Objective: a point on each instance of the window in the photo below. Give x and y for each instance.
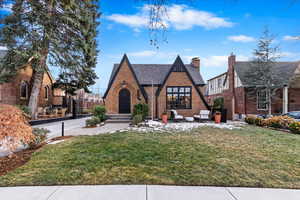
(219, 82)
(262, 100)
(179, 97)
(138, 95)
(46, 92)
(24, 90)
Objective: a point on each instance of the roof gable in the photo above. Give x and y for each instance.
(178, 65)
(115, 73)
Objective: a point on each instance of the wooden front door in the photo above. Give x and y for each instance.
(124, 101)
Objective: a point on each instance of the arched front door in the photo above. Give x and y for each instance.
(124, 101)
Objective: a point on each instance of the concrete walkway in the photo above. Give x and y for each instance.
(144, 192)
(75, 127)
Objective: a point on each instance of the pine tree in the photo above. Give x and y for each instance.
(50, 31)
(261, 76)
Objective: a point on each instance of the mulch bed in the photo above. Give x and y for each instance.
(18, 159)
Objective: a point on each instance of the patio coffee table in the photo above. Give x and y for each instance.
(189, 119)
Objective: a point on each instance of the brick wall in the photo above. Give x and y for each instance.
(294, 99)
(10, 92)
(180, 79)
(112, 98)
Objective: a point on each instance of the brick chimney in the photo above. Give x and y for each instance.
(231, 63)
(196, 62)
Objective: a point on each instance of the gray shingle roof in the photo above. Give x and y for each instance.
(284, 70)
(145, 73)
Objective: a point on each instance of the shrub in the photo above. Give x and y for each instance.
(279, 122)
(259, 121)
(218, 103)
(14, 127)
(250, 120)
(92, 122)
(99, 112)
(25, 109)
(141, 109)
(40, 136)
(295, 127)
(137, 119)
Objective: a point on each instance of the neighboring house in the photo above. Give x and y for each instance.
(17, 91)
(162, 86)
(87, 100)
(240, 100)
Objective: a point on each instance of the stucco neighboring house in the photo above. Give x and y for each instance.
(239, 99)
(162, 86)
(17, 91)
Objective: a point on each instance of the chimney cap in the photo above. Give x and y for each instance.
(196, 58)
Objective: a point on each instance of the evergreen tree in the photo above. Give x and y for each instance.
(38, 32)
(261, 76)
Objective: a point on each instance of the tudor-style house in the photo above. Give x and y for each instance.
(17, 91)
(162, 86)
(239, 100)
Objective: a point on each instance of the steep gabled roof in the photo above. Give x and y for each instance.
(284, 70)
(179, 64)
(115, 72)
(146, 73)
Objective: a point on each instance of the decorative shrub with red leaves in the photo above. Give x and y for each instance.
(14, 127)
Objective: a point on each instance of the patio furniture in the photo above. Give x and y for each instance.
(189, 119)
(175, 116)
(203, 115)
(62, 112)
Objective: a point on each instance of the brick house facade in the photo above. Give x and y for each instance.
(17, 91)
(162, 86)
(240, 100)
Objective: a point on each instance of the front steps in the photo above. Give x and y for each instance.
(118, 118)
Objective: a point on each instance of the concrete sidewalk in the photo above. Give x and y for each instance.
(75, 127)
(144, 192)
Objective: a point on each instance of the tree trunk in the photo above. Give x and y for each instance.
(38, 77)
(270, 102)
(39, 72)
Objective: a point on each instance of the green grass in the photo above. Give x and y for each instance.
(252, 156)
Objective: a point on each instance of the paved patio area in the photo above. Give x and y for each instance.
(75, 127)
(145, 192)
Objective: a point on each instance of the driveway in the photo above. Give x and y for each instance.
(145, 192)
(75, 127)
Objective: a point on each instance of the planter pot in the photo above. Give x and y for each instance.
(218, 118)
(164, 119)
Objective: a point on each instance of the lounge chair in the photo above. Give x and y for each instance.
(175, 116)
(203, 115)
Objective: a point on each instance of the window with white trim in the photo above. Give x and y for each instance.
(262, 100)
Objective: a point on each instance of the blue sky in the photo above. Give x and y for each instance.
(201, 28)
(208, 29)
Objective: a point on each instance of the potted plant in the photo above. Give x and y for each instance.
(218, 117)
(164, 117)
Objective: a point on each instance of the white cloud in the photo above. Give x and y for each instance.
(129, 20)
(180, 17)
(241, 38)
(3, 48)
(291, 38)
(215, 61)
(7, 7)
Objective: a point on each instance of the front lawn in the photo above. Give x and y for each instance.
(252, 156)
